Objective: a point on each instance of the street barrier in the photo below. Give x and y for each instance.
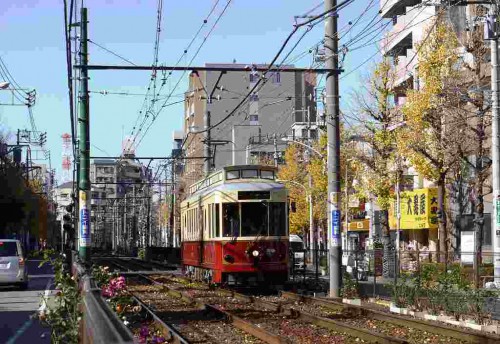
(99, 323)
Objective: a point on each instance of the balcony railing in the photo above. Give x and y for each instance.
(391, 8)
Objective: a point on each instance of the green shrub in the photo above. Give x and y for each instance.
(455, 302)
(141, 253)
(403, 291)
(349, 288)
(323, 261)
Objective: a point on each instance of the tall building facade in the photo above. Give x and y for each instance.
(412, 20)
(281, 107)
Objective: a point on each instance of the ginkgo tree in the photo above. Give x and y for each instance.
(300, 164)
(433, 126)
(376, 114)
(294, 174)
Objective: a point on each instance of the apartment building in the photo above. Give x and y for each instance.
(411, 21)
(284, 106)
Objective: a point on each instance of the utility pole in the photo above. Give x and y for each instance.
(491, 34)
(124, 225)
(333, 157)
(207, 138)
(84, 147)
(148, 220)
(275, 151)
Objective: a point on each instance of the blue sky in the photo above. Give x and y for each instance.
(251, 31)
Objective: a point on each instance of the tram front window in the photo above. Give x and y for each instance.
(231, 213)
(253, 219)
(277, 217)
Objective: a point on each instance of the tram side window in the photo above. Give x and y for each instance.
(231, 213)
(277, 217)
(217, 220)
(253, 219)
(209, 220)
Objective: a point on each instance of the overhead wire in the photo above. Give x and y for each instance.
(205, 21)
(69, 67)
(111, 52)
(184, 72)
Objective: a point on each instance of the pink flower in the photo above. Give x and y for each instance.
(144, 331)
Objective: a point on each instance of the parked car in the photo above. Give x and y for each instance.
(13, 270)
(297, 252)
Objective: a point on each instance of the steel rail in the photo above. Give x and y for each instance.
(457, 333)
(371, 336)
(168, 329)
(236, 321)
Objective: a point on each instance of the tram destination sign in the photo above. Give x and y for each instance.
(245, 195)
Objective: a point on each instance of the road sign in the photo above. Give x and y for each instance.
(497, 204)
(336, 224)
(84, 228)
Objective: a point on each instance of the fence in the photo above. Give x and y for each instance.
(99, 323)
(379, 266)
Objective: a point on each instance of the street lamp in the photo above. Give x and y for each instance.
(286, 139)
(311, 230)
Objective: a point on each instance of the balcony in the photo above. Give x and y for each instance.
(400, 37)
(391, 8)
(405, 68)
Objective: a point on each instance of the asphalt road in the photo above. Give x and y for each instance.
(17, 307)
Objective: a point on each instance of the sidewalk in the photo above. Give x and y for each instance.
(366, 288)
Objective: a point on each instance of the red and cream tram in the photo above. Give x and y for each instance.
(234, 227)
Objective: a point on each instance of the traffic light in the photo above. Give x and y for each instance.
(43, 138)
(68, 218)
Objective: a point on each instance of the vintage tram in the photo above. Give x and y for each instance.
(234, 227)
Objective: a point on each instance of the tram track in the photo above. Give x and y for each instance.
(368, 324)
(402, 323)
(193, 322)
(288, 324)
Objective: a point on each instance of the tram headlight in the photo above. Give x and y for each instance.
(255, 253)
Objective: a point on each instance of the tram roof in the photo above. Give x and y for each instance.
(247, 185)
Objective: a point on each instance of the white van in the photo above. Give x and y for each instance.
(13, 264)
(297, 252)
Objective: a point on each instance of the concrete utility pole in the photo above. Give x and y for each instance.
(492, 35)
(333, 157)
(275, 151)
(206, 147)
(84, 147)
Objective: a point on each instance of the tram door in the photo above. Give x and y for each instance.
(201, 218)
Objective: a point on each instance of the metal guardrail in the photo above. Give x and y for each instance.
(99, 323)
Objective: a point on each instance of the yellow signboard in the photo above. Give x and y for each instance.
(418, 209)
(358, 225)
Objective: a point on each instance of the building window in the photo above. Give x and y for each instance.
(277, 78)
(253, 77)
(254, 119)
(254, 97)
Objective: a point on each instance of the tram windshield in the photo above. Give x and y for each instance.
(257, 218)
(254, 219)
(231, 216)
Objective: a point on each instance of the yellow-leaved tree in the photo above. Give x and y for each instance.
(294, 174)
(432, 132)
(376, 153)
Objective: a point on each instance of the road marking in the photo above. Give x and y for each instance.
(20, 331)
(41, 276)
(46, 295)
